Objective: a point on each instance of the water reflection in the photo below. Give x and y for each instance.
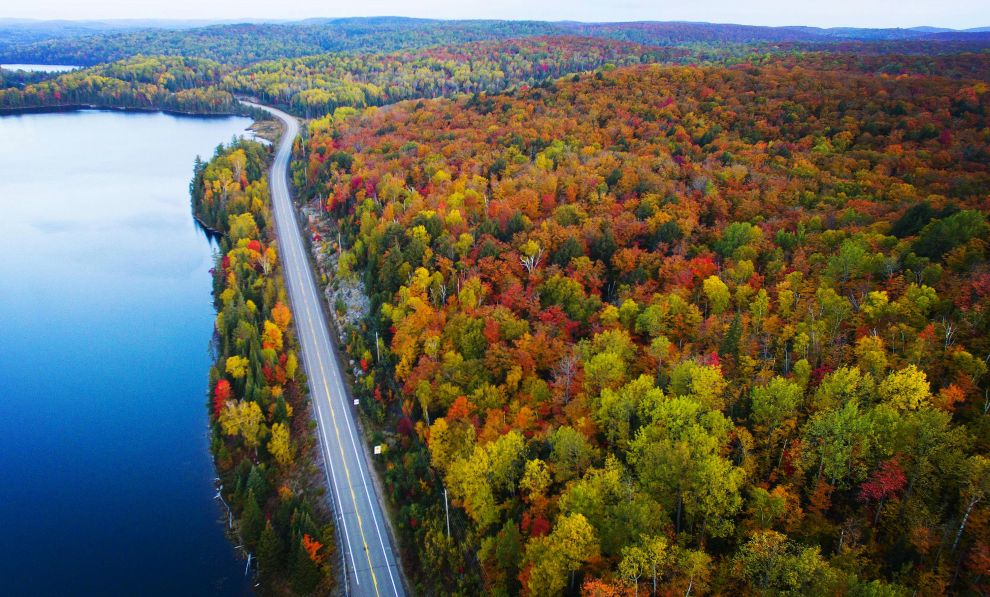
(106, 484)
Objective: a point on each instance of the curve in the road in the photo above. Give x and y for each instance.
(371, 566)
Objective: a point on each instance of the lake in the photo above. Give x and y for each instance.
(40, 68)
(106, 480)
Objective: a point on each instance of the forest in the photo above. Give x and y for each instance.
(242, 44)
(159, 83)
(317, 85)
(20, 78)
(262, 437)
(660, 308)
(677, 330)
(374, 62)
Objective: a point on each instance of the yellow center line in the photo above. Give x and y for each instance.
(295, 248)
(340, 447)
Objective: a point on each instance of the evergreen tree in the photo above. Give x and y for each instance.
(256, 483)
(730, 342)
(252, 521)
(305, 572)
(281, 410)
(269, 552)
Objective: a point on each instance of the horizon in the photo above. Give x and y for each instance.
(884, 14)
(273, 21)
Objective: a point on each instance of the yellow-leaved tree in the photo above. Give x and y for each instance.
(237, 366)
(906, 389)
(279, 445)
(243, 418)
(272, 337)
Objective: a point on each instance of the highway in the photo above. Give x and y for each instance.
(370, 561)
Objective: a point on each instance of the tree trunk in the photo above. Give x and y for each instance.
(965, 519)
(780, 459)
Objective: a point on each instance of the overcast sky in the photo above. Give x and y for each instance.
(959, 14)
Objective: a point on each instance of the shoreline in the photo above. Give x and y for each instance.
(205, 227)
(229, 455)
(80, 107)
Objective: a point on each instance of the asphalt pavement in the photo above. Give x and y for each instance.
(371, 563)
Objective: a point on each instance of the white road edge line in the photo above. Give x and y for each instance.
(307, 296)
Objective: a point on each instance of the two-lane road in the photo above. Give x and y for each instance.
(369, 558)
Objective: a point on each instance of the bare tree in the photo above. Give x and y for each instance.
(564, 373)
(531, 261)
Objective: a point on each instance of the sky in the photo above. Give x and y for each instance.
(959, 14)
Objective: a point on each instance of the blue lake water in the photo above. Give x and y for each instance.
(106, 481)
(40, 68)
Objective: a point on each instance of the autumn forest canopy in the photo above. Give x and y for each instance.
(313, 67)
(722, 327)
(660, 308)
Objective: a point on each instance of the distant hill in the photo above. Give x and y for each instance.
(93, 42)
(926, 29)
(969, 35)
(245, 43)
(36, 30)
